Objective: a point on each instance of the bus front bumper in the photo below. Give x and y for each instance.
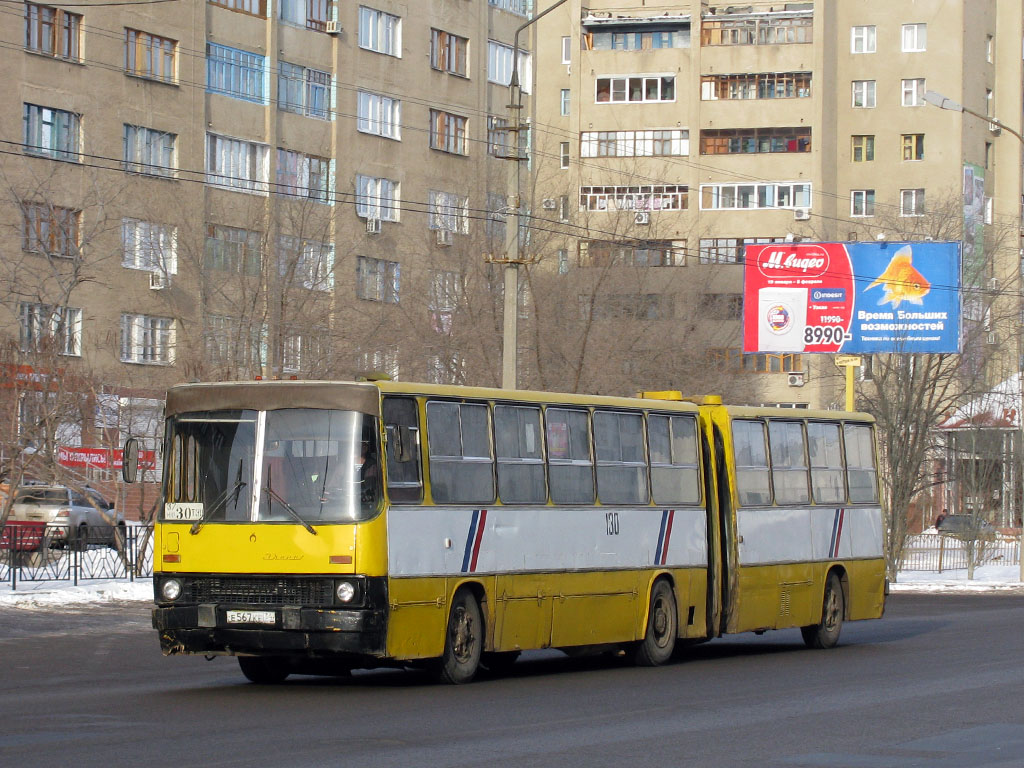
(293, 630)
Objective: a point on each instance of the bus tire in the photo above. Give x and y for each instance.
(825, 634)
(266, 670)
(662, 626)
(463, 641)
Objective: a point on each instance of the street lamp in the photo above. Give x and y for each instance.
(942, 102)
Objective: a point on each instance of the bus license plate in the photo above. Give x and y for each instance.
(252, 617)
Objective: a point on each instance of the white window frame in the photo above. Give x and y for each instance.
(237, 164)
(635, 143)
(237, 73)
(378, 198)
(305, 91)
(756, 196)
(862, 203)
(566, 49)
(912, 202)
(378, 280)
(310, 263)
(912, 92)
(914, 37)
(863, 39)
(39, 322)
(379, 115)
(149, 151)
(619, 90)
(297, 176)
(864, 90)
(499, 65)
(149, 246)
(53, 133)
(565, 102)
(147, 340)
(380, 32)
(448, 211)
(649, 197)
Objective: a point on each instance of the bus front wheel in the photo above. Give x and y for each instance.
(825, 634)
(662, 626)
(463, 641)
(263, 669)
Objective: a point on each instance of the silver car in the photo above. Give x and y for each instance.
(71, 517)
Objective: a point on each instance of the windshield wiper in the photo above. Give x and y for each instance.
(288, 508)
(220, 501)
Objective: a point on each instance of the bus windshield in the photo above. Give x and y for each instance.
(297, 465)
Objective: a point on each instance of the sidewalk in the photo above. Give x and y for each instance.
(46, 595)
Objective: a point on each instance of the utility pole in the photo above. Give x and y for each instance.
(513, 253)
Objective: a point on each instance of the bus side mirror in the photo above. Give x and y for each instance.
(130, 460)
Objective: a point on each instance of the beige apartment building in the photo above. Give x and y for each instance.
(683, 131)
(242, 188)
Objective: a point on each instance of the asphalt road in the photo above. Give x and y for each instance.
(938, 683)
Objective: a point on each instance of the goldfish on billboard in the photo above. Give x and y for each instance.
(854, 298)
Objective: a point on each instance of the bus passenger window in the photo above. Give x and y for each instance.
(570, 468)
(517, 435)
(860, 463)
(673, 446)
(751, 455)
(789, 465)
(825, 450)
(621, 463)
(401, 422)
(459, 441)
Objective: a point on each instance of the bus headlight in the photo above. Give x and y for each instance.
(345, 591)
(171, 590)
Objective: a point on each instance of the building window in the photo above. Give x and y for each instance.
(448, 52)
(443, 300)
(642, 88)
(862, 202)
(45, 327)
(311, 14)
(379, 115)
(380, 32)
(306, 262)
(304, 91)
(52, 133)
(862, 149)
(149, 151)
(304, 350)
(774, 29)
(52, 31)
(862, 39)
(499, 138)
(673, 142)
(913, 146)
(911, 202)
(915, 38)
(563, 108)
(913, 92)
(499, 66)
(729, 250)
(566, 50)
(377, 279)
(303, 176)
(563, 155)
(236, 73)
(989, 49)
(651, 197)
(147, 340)
(230, 249)
(377, 198)
(254, 7)
(237, 164)
(518, 7)
(645, 253)
(149, 56)
(628, 40)
(448, 132)
(864, 94)
(149, 246)
(51, 230)
(735, 360)
(385, 360)
(754, 140)
(765, 85)
(448, 211)
(720, 197)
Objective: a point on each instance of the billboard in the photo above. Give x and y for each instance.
(852, 298)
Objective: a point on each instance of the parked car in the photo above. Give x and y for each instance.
(966, 526)
(71, 517)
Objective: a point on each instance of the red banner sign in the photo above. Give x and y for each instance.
(101, 458)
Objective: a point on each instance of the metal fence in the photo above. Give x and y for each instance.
(937, 552)
(30, 553)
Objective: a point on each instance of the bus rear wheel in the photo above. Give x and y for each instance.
(825, 634)
(662, 626)
(264, 669)
(463, 641)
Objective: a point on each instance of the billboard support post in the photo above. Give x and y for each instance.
(849, 362)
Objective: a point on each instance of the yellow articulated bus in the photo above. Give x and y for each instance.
(317, 527)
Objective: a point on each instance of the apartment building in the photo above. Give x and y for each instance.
(240, 188)
(684, 132)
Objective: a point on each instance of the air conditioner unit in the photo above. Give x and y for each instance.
(801, 214)
(333, 28)
(549, 204)
(373, 226)
(796, 380)
(157, 281)
(445, 237)
(851, 237)
(641, 217)
(993, 284)
(995, 129)
(992, 338)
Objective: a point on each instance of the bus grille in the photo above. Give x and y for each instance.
(254, 591)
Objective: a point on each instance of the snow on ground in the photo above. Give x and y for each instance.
(987, 578)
